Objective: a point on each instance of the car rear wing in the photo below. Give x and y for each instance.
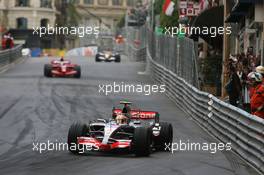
(141, 115)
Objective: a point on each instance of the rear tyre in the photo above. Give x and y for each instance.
(76, 130)
(164, 140)
(118, 59)
(142, 141)
(78, 70)
(47, 70)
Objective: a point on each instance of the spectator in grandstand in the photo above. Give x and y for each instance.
(245, 64)
(9, 43)
(4, 42)
(233, 87)
(245, 100)
(254, 81)
(215, 3)
(260, 69)
(257, 98)
(250, 51)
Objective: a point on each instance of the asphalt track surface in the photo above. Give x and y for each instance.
(37, 109)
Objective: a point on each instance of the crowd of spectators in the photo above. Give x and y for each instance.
(246, 84)
(7, 41)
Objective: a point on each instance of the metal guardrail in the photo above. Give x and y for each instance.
(227, 123)
(9, 56)
(172, 62)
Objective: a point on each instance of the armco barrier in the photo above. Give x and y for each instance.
(9, 56)
(224, 121)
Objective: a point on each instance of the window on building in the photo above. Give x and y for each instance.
(130, 2)
(22, 3)
(117, 2)
(103, 2)
(44, 22)
(90, 2)
(21, 23)
(45, 3)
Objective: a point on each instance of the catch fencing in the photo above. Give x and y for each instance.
(225, 122)
(178, 54)
(136, 39)
(9, 56)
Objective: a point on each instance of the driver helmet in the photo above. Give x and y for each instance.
(121, 119)
(62, 59)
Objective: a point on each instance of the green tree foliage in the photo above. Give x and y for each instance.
(158, 6)
(211, 68)
(68, 16)
(73, 16)
(166, 21)
(121, 22)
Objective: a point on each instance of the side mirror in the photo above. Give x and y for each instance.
(157, 117)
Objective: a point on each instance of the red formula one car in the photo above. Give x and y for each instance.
(135, 131)
(62, 68)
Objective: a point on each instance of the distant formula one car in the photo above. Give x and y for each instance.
(62, 68)
(135, 131)
(107, 56)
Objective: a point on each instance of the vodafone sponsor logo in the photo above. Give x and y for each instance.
(146, 115)
(139, 114)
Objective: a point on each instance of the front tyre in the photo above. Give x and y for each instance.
(48, 70)
(117, 58)
(76, 130)
(164, 140)
(142, 141)
(78, 72)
